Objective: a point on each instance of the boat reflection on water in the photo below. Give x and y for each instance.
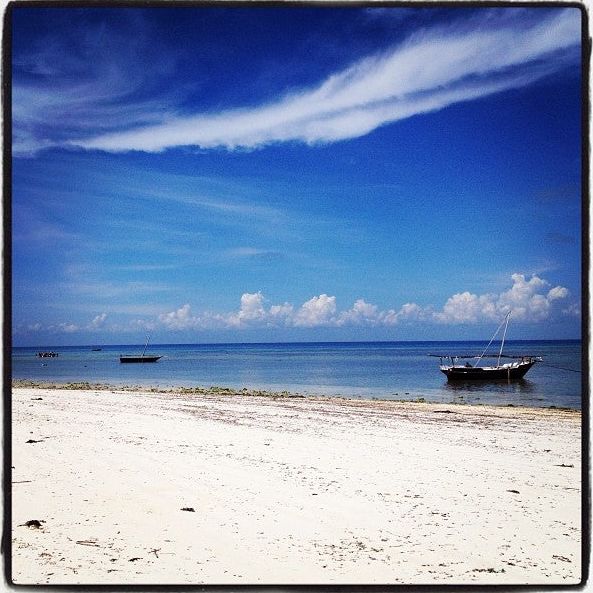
(517, 393)
(519, 386)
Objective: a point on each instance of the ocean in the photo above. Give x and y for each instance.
(379, 370)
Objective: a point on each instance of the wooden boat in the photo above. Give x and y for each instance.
(141, 358)
(508, 371)
(134, 358)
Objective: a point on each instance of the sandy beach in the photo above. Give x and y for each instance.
(140, 487)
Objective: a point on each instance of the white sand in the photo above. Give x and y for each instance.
(291, 491)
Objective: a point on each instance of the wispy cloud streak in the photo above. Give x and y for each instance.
(67, 84)
(431, 70)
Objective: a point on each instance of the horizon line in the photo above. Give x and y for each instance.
(91, 345)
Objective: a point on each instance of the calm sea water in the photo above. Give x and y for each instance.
(383, 370)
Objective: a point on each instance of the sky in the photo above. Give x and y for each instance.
(295, 173)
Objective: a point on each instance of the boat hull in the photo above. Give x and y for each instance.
(511, 373)
(138, 359)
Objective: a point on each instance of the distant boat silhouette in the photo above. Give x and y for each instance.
(142, 357)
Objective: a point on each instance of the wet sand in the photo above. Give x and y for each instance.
(142, 487)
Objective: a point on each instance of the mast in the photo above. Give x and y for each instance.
(503, 337)
(490, 342)
(505, 320)
(145, 345)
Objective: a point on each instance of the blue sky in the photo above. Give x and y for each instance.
(295, 173)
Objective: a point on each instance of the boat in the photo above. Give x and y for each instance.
(510, 371)
(134, 358)
(141, 358)
(47, 354)
(455, 369)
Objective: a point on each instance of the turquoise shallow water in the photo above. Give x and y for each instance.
(383, 370)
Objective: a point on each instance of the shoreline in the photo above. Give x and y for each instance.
(143, 487)
(246, 392)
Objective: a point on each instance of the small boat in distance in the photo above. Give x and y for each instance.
(142, 358)
(509, 371)
(47, 354)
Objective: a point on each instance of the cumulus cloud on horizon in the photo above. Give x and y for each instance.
(432, 69)
(531, 300)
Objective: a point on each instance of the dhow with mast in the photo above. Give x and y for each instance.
(507, 371)
(142, 358)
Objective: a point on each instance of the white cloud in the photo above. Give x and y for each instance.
(409, 312)
(529, 300)
(281, 314)
(251, 312)
(135, 325)
(573, 310)
(431, 70)
(179, 319)
(360, 313)
(317, 311)
(98, 321)
(67, 328)
(466, 307)
(252, 309)
(558, 292)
